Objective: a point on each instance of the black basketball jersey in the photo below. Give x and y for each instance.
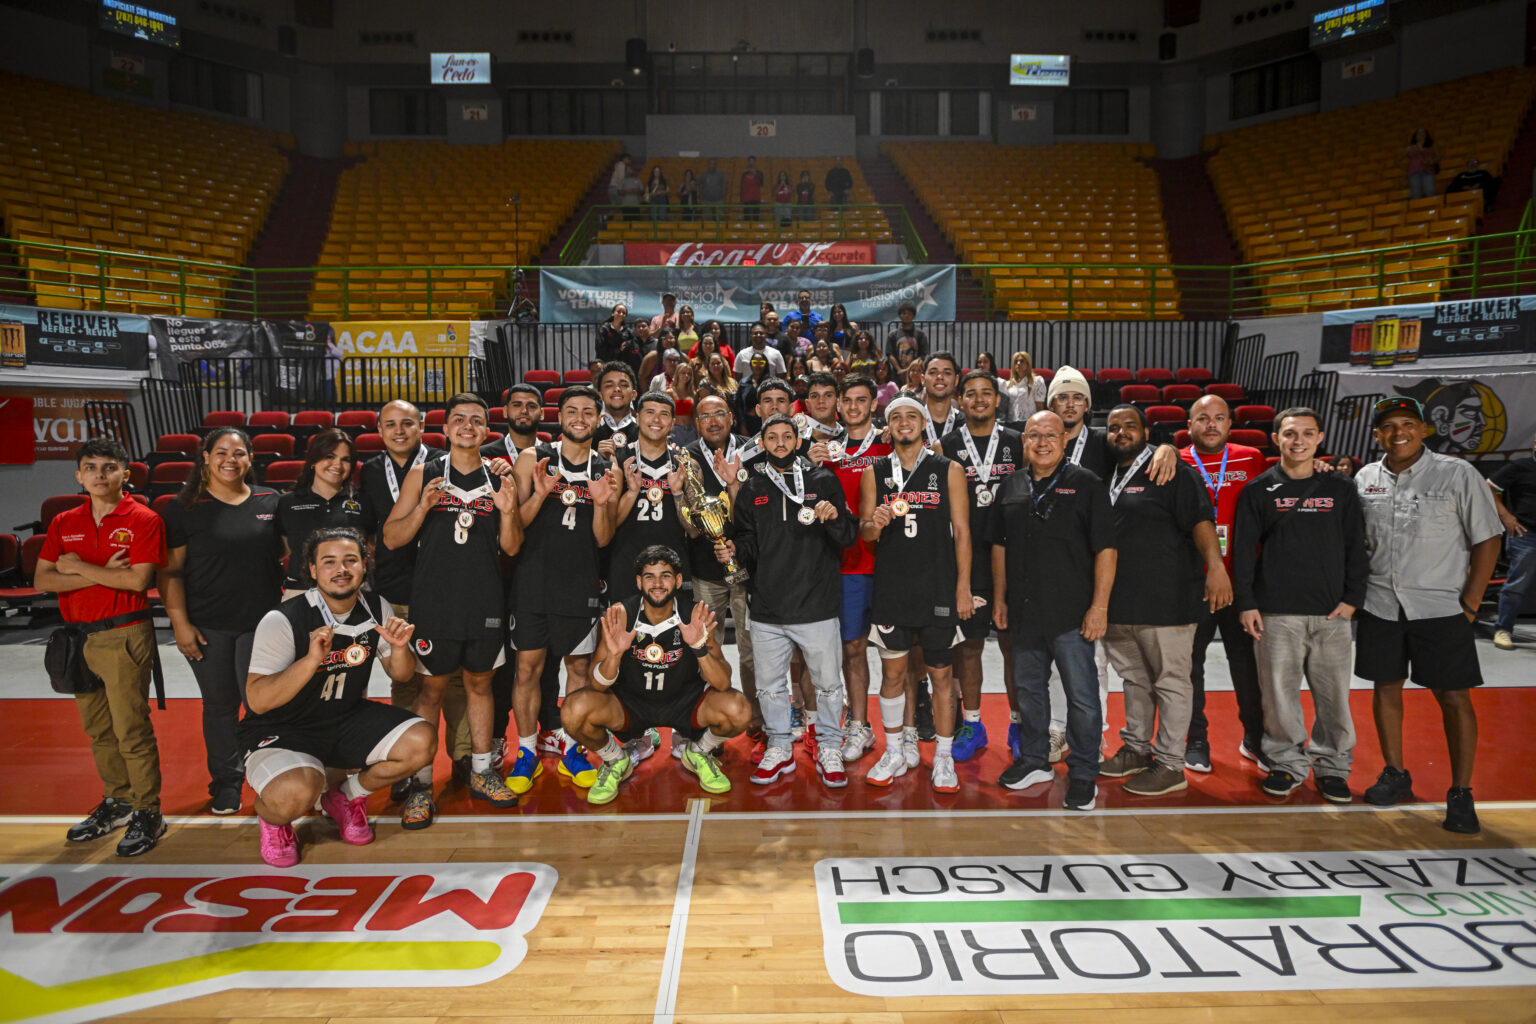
(456, 589)
(915, 572)
(558, 572)
(651, 520)
(658, 665)
(1007, 458)
(342, 682)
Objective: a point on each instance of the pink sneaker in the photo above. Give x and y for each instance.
(350, 815)
(279, 846)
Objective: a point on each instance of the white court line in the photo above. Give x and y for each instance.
(672, 963)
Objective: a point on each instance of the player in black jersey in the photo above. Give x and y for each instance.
(307, 709)
(913, 507)
(774, 398)
(989, 453)
(617, 386)
(524, 409)
(657, 665)
(567, 495)
(941, 376)
(460, 516)
(647, 511)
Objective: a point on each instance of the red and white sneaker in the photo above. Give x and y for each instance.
(776, 762)
(809, 740)
(351, 815)
(759, 745)
(829, 765)
(550, 744)
(279, 846)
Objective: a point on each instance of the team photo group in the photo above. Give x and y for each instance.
(916, 532)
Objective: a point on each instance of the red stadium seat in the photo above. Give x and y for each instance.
(1193, 375)
(545, 437)
(178, 444)
(224, 418)
(1089, 375)
(1182, 395)
(577, 377)
(54, 505)
(1260, 417)
(552, 396)
(1153, 375)
(167, 477)
(282, 474)
(358, 418)
(264, 422)
(435, 418)
(1230, 392)
(435, 440)
(19, 593)
(315, 418)
(1166, 414)
(1046, 375)
(497, 413)
(138, 475)
(1113, 375)
(541, 377)
(269, 448)
(368, 444)
(492, 436)
(1270, 460)
(551, 414)
(1182, 439)
(1143, 395)
(10, 559)
(1252, 438)
(158, 505)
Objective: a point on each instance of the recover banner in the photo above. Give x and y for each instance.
(578, 295)
(736, 254)
(67, 337)
(1469, 411)
(1385, 335)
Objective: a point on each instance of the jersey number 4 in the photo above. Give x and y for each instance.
(568, 518)
(334, 684)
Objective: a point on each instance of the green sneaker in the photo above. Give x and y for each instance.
(711, 778)
(609, 777)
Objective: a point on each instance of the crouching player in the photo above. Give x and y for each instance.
(308, 719)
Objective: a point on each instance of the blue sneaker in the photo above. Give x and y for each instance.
(524, 771)
(970, 740)
(575, 766)
(796, 723)
(1013, 741)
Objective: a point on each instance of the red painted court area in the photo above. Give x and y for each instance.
(46, 768)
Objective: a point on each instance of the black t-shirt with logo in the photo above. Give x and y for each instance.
(1159, 574)
(301, 513)
(233, 571)
(1516, 481)
(392, 567)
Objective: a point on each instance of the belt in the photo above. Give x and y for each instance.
(115, 622)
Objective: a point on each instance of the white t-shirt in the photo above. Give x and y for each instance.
(1023, 397)
(272, 649)
(776, 367)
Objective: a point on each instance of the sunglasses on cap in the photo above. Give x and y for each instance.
(1397, 403)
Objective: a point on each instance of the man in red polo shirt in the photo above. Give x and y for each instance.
(100, 558)
(1224, 469)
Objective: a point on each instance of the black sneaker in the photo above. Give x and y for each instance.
(226, 798)
(1197, 756)
(1391, 787)
(463, 768)
(1334, 789)
(144, 830)
(1081, 795)
(1279, 784)
(1460, 815)
(1022, 774)
(923, 713)
(109, 815)
(399, 791)
(1252, 749)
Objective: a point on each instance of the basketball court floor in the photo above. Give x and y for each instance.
(786, 902)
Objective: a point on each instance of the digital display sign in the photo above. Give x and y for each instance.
(461, 68)
(1347, 21)
(1039, 69)
(140, 22)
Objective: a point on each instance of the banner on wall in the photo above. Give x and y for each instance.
(1470, 411)
(575, 295)
(180, 341)
(736, 254)
(1389, 335)
(57, 419)
(70, 337)
(18, 446)
(421, 351)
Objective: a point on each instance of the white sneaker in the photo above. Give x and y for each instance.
(776, 762)
(892, 765)
(1058, 746)
(1504, 640)
(909, 748)
(829, 765)
(860, 739)
(944, 778)
(643, 746)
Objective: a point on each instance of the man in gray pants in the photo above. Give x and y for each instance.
(1299, 569)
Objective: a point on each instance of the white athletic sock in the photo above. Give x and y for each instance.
(352, 789)
(942, 746)
(479, 762)
(612, 751)
(425, 776)
(529, 742)
(966, 714)
(892, 711)
(708, 742)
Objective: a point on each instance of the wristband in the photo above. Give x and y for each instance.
(703, 643)
(1467, 608)
(597, 674)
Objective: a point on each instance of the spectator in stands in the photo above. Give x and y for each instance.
(861, 354)
(886, 387)
(776, 337)
(839, 369)
(789, 341)
(712, 190)
(907, 331)
(805, 346)
(1344, 465)
(798, 368)
(687, 331)
(1514, 497)
(709, 343)
(631, 191)
(783, 199)
(322, 497)
(644, 339)
(1025, 387)
(841, 327)
(1474, 177)
(616, 179)
(838, 182)
(763, 309)
(718, 376)
(774, 359)
(663, 361)
(688, 195)
(986, 363)
(681, 386)
(1421, 161)
(668, 315)
(100, 558)
(803, 312)
(615, 340)
(751, 190)
(805, 197)
(906, 353)
(912, 379)
(823, 356)
(658, 193)
(757, 363)
(717, 330)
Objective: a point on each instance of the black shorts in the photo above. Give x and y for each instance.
(556, 635)
(1440, 653)
(441, 657)
(677, 714)
(344, 742)
(937, 639)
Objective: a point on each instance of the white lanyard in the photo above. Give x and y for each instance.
(864, 445)
(949, 422)
(898, 478)
(355, 629)
(389, 470)
(1117, 483)
(751, 451)
(570, 475)
(798, 494)
(618, 425)
(655, 473)
(644, 628)
(1076, 455)
(467, 497)
(983, 467)
(709, 456)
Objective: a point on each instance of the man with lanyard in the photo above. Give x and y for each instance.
(913, 506)
(940, 375)
(393, 568)
(759, 347)
(616, 384)
(657, 665)
(774, 398)
(307, 707)
(1161, 535)
(1226, 469)
(647, 511)
(858, 451)
(566, 494)
(525, 408)
(1433, 537)
(791, 526)
(1053, 567)
(989, 453)
(460, 515)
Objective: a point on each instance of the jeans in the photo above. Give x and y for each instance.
(1245, 673)
(221, 679)
(1421, 186)
(821, 645)
(1153, 661)
(1059, 693)
(1321, 649)
(1522, 573)
(1033, 657)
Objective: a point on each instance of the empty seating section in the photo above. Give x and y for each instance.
(83, 171)
(859, 221)
(418, 204)
(1298, 189)
(1085, 220)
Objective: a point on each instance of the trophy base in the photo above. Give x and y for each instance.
(737, 576)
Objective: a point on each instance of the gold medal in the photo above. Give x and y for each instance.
(654, 654)
(806, 516)
(835, 451)
(569, 496)
(355, 655)
(741, 475)
(466, 519)
(984, 497)
(653, 495)
(899, 507)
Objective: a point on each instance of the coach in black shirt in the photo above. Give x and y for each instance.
(1053, 564)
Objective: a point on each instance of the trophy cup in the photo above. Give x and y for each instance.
(708, 512)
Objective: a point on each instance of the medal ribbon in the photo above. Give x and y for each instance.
(898, 478)
(389, 470)
(949, 422)
(1117, 484)
(869, 439)
(1221, 478)
(655, 473)
(571, 475)
(798, 494)
(353, 630)
(1079, 446)
(646, 629)
(458, 492)
(617, 425)
(983, 468)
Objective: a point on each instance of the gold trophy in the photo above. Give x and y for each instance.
(708, 512)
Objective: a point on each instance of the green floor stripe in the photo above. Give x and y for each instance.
(1174, 909)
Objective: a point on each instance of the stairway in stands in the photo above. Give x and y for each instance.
(14, 286)
(1495, 260)
(550, 255)
(890, 188)
(1197, 235)
(294, 234)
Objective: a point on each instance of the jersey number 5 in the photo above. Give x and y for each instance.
(909, 525)
(334, 683)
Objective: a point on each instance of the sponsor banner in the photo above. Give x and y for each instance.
(430, 378)
(17, 443)
(402, 337)
(58, 421)
(1107, 925)
(735, 254)
(180, 341)
(1472, 412)
(574, 295)
(460, 68)
(1039, 69)
(90, 941)
(70, 337)
(1388, 335)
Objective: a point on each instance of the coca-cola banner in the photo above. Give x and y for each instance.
(738, 254)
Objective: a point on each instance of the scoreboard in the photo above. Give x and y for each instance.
(140, 22)
(1347, 21)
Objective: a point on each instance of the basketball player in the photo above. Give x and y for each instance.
(774, 398)
(657, 665)
(940, 375)
(647, 511)
(307, 709)
(459, 515)
(818, 424)
(913, 506)
(616, 384)
(524, 409)
(567, 494)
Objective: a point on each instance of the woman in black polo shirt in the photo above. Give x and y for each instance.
(322, 496)
(223, 572)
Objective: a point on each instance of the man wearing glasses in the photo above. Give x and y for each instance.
(1432, 533)
(1053, 566)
